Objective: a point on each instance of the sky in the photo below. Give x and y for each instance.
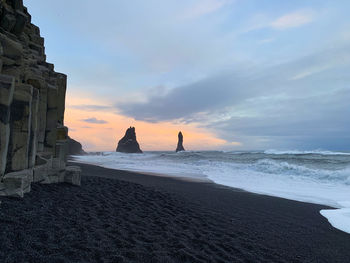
(230, 74)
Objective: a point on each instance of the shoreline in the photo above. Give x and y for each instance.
(119, 216)
(195, 180)
(182, 178)
(171, 184)
(203, 180)
(336, 212)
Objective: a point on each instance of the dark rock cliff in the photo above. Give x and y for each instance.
(129, 144)
(32, 101)
(180, 146)
(75, 147)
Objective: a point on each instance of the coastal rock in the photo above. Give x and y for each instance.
(73, 175)
(33, 138)
(7, 86)
(180, 146)
(20, 123)
(75, 147)
(129, 144)
(34, 132)
(17, 183)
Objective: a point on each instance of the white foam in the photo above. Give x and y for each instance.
(279, 178)
(151, 163)
(338, 218)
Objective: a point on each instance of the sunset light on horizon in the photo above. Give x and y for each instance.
(102, 132)
(231, 74)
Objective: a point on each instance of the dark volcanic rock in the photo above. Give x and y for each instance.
(33, 138)
(180, 146)
(75, 147)
(129, 144)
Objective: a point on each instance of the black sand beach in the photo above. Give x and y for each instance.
(119, 216)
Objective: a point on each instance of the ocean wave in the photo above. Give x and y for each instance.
(320, 177)
(297, 152)
(292, 170)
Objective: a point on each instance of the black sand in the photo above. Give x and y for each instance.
(142, 218)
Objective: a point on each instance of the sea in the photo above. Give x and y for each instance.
(320, 177)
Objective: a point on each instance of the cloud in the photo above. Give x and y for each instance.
(305, 99)
(154, 38)
(266, 40)
(204, 7)
(310, 71)
(231, 88)
(310, 122)
(295, 19)
(94, 121)
(190, 47)
(284, 22)
(87, 107)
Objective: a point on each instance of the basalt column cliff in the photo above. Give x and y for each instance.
(33, 138)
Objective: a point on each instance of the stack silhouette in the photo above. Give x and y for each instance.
(129, 144)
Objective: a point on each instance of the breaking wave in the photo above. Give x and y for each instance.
(321, 177)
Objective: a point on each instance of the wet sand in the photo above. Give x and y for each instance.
(119, 216)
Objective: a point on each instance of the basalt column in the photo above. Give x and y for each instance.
(7, 85)
(33, 138)
(34, 131)
(20, 125)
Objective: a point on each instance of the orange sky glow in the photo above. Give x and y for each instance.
(151, 136)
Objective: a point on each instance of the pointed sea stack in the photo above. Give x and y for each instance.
(180, 146)
(129, 144)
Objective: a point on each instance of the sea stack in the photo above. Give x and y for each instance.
(180, 146)
(129, 144)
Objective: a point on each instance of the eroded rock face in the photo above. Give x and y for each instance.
(33, 139)
(129, 144)
(7, 86)
(20, 125)
(180, 146)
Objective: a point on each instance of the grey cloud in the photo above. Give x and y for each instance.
(304, 103)
(94, 121)
(87, 107)
(308, 75)
(317, 121)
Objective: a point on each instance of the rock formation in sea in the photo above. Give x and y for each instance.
(129, 144)
(75, 147)
(180, 146)
(33, 138)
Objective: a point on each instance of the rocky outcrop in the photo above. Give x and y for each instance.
(33, 138)
(180, 146)
(75, 147)
(129, 144)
